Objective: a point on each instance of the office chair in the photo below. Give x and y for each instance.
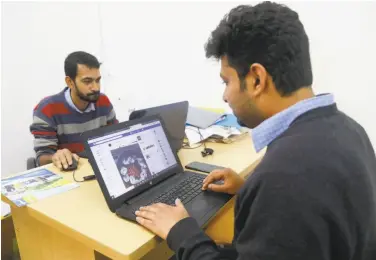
(31, 163)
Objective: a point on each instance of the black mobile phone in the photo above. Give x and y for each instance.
(203, 167)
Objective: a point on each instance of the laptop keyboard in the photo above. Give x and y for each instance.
(185, 191)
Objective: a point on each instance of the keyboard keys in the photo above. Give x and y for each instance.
(185, 191)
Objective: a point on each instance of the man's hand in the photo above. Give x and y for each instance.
(232, 182)
(160, 218)
(63, 158)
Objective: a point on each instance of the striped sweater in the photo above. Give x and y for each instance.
(56, 125)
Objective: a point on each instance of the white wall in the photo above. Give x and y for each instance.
(36, 38)
(152, 53)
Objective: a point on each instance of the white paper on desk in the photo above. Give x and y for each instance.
(194, 137)
(222, 132)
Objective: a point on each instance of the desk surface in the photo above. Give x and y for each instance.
(82, 213)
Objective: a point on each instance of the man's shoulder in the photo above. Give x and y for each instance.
(103, 101)
(321, 152)
(49, 104)
(55, 98)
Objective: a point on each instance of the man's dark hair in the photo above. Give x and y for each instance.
(270, 34)
(79, 57)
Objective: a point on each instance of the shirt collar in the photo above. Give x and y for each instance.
(271, 128)
(90, 107)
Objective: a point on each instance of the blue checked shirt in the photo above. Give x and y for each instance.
(273, 127)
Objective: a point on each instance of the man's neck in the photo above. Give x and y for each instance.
(79, 103)
(286, 102)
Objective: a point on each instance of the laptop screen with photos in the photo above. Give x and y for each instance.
(129, 158)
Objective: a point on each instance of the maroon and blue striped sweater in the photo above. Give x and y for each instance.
(56, 125)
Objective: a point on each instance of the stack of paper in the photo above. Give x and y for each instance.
(219, 133)
(209, 124)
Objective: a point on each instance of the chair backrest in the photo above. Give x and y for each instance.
(31, 163)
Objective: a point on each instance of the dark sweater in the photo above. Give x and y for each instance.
(56, 125)
(313, 196)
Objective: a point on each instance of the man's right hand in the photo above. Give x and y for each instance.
(63, 158)
(232, 182)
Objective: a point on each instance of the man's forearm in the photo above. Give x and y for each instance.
(45, 159)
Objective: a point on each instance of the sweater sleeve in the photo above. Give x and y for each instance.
(44, 130)
(275, 219)
(111, 117)
(189, 241)
(104, 101)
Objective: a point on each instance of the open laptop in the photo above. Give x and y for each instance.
(174, 116)
(135, 166)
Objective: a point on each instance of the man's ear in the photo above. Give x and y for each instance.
(69, 82)
(257, 79)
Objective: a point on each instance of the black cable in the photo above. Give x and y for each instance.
(85, 178)
(186, 146)
(206, 151)
(202, 142)
(201, 138)
(74, 173)
(74, 178)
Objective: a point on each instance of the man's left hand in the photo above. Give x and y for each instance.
(160, 218)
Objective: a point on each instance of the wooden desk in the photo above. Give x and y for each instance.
(74, 224)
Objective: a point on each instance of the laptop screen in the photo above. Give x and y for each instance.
(129, 158)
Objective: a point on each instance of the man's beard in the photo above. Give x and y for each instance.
(92, 97)
(251, 119)
(241, 123)
(251, 116)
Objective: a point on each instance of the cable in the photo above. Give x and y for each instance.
(85, 178)
(74, 177)
(201, 138)
(186, 144)
(206, 151)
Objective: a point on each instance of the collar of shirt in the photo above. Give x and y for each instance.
(271, 128)
(68, 97)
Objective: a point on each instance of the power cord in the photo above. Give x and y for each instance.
(74, 177)
(85, 178)
(186, 144)
(206, 151)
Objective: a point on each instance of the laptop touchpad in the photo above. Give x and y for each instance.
(200, 205)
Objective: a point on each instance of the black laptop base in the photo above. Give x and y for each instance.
(201, 205)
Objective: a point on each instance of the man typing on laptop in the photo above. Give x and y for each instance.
(136, 165)
(313, 196)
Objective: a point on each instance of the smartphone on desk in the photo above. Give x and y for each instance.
(203, 167)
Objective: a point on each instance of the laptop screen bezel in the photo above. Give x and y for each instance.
(115, 203)
(163, 111)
